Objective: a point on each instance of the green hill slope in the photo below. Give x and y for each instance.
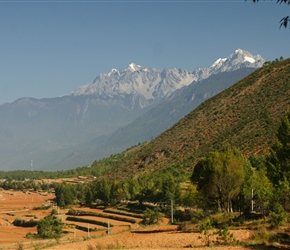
(245, 115)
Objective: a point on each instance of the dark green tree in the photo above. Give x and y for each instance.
(133, 188)
(277, 215)
(151, 216)
(170, 189)
(89, 197)
(221, 176)
(49, 227)
(65, 194)
(102, 191)
(278, 162)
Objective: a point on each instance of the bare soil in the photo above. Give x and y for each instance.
(17, 204)
(166, 239)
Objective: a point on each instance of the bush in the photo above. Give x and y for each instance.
(277, 215)
(151, 216)
(22, 223)
(49, 227)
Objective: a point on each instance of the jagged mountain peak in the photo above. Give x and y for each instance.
(152, 85)
(133, 67)
(238, 59)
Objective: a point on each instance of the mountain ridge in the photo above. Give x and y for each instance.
(163, 83)
(50, 130)
(245, 115)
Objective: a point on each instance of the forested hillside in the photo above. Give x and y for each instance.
(245, 115)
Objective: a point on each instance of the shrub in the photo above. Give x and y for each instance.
(277, 215)
(49, 227)
(22, 223)
(151, 216)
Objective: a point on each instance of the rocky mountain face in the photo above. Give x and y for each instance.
(55, 132)
(147, 86)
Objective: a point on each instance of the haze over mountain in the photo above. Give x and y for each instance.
(55, 132)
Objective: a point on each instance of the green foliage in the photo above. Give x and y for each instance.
(191, 197)
(49, 227)
(225, 236)
(221, 176)
(103, 215)
(263, 191)
(206, 229)
(42, 207)
(102, 191)
(277, 215)
(119, 212)
(151, 216)
(22, 223)
(274, 61)
(96, 222)
(278, 163)
(66, 194)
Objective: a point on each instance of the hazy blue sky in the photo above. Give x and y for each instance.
(49, 48)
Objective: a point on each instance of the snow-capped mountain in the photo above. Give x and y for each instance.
(151, 85)
(148, 84)
(237, 60)
(53, 131)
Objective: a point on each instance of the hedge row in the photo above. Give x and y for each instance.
(119, 212)
(103, 215)
(100, 223)
(23, 223)
(85, 229)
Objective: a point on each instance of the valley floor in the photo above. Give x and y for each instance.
(164, 239)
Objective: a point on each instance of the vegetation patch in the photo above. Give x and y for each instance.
(119, 212)
(23, 223)
(103, 215)
(100, 223)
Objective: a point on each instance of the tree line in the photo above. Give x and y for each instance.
(224, 180)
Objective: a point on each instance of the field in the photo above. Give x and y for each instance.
(90, 236)
(18, 204)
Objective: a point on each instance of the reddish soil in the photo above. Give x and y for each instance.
(160, 240)
(17, 204)
(14, 204)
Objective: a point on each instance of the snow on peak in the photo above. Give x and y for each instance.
(218, 61)
(113, 71)
(152, 84)
(134, 67)
(238, 51)
(249, 59)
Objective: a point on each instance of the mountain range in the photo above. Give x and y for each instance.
(114, 111)
(247, 115)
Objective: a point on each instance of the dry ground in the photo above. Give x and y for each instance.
(158, 240)
(14, 204)
(18, 204)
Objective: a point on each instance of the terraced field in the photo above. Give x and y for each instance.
(96, 222)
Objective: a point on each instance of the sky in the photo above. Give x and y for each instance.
(48, 48)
